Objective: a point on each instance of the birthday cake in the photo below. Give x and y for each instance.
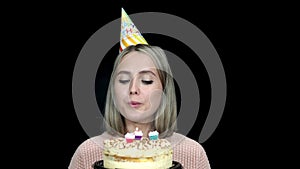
(138, 153)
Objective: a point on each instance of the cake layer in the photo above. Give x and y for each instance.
(161, 162)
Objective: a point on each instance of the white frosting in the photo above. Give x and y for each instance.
(138, 133)
(138, 148)
(153, 133)
(129, 136)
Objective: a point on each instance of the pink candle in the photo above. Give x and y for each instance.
(129, 137)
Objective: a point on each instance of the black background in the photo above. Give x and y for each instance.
(49, 39)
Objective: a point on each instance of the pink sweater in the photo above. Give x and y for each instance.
(186, 151)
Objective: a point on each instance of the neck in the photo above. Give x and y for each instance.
(144, 127)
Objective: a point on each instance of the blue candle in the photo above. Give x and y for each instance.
(153, 135)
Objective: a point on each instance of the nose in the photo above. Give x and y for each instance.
(134, 88)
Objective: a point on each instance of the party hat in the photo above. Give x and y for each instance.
(130, 35)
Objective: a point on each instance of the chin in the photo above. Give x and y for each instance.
(140, 119)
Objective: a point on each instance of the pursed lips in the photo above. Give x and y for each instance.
(134, 104)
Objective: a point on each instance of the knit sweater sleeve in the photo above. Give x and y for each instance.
(190, 154)
(77, 161)
(86, 155)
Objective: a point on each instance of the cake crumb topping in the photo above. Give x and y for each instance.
(143, 144)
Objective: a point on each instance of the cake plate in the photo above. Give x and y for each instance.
(99, 165)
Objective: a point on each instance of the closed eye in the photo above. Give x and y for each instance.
(123, 81)
(147, 82)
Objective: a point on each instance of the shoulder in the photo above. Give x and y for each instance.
(92, 143)
(88, 152)
(180, 141)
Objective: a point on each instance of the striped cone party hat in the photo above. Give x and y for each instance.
(130, 35)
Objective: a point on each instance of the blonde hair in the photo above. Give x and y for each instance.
(165, 121)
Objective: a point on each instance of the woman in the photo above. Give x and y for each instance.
(141, 94)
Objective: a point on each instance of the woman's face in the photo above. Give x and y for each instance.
(137, 87)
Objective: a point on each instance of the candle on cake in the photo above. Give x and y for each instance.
(153, 135)
(138, 134)
(129, 137)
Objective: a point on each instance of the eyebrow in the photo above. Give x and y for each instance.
(146, 71)
(123, 72)
(141, 72)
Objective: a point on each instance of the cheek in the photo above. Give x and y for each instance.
(152, 101)
(120, 92)
(153, 96)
